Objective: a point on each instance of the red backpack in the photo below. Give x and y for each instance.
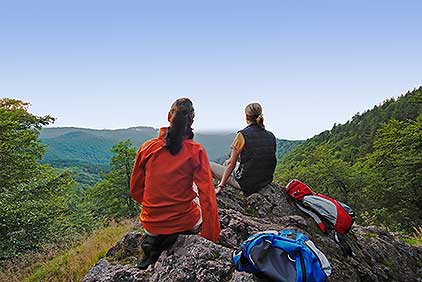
(327, 212)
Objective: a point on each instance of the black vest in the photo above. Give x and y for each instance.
(257, 159)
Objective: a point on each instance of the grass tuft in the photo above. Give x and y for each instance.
(415, 239)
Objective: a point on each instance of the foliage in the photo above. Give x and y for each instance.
(79, 147)
(414, 239)
(43, 208)
(31, 194)
(38, 204)
(19, 147)
(373, 162)
(67, 263)
(30, 212)
(285, 146)
(320, 169)
(396, 166)
(110, 197)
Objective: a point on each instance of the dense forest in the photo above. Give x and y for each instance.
(373, 162)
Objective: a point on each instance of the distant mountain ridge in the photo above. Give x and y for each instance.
(89, 149)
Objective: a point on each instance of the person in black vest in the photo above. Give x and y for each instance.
(255, 148)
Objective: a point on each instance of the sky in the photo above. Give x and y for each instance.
(118, 64)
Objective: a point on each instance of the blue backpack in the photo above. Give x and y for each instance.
(287, 256)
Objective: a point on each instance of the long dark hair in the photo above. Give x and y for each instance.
(181, 118)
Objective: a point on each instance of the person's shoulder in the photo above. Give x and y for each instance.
(242, 130)
(193, 144)
(194, 147)
(239, 133)
(151, 144)
(271, 134)
(238, 137)
(152, 141)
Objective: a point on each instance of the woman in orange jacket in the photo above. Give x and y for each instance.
(162, 181)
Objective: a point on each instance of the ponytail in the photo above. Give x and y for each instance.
(181, 118)
(260, 121)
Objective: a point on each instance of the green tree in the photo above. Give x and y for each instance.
(34, 198)
(110, 198)
(322, 170)
(396, 164)
(20, 149)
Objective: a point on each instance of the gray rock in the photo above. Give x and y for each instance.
(242, 277)
(129, 246)
(104, 271)
(379, 256)
(193, 258)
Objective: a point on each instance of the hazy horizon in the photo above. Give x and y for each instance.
(106, 64)
(215, 130)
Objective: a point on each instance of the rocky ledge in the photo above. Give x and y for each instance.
(379, 256)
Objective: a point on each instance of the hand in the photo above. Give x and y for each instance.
(218, 189)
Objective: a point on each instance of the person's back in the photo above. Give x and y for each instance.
(252, 161)
(166, 199)
(162, 181)
(257, 159)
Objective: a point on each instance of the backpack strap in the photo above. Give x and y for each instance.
(300, 268)
(314, 216)
(342, 242)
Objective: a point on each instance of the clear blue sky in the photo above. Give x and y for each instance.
(116, 64)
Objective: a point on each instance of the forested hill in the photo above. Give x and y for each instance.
(373, 162)
(70, 146)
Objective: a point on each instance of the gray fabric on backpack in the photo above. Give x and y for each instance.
(274, 262)
(325, 264)
(322, 206)
(310, 213)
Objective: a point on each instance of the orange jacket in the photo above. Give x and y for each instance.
(162, 184)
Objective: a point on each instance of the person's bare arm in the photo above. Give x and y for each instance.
(229, 169)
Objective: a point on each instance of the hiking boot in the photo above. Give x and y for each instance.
(153, 246)
(144, 263)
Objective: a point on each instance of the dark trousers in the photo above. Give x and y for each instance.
(153, 246)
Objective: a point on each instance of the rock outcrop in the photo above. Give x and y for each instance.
(379, 256)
